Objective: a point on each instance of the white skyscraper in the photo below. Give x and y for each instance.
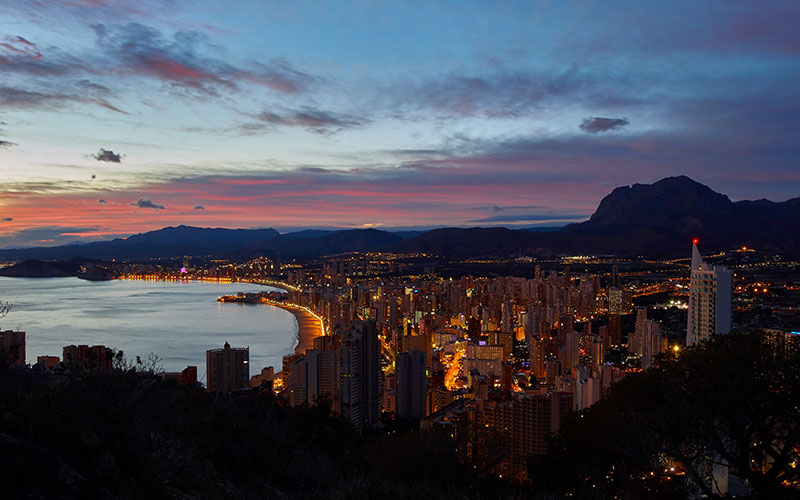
(710, 291)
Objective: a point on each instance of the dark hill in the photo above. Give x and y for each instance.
(658, 219)
(162, 243)
(78, 266)
(643, 219)
(673, 202)
(474, 241)
(353, 240)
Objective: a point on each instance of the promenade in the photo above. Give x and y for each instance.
(309, 325)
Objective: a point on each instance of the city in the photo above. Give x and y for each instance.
(425, 249)
(385, 339)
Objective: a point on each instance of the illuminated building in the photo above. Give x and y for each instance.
(620, 300)
(12, 347)
(228, 369)
(710, 290)
(572, 349)
(360, 382)
(646, 339)
(267, 376)
(484, 358)
(536, 356)
(411, 385)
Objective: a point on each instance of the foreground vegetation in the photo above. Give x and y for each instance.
(658, 434)
(733, 400)
(124, 434)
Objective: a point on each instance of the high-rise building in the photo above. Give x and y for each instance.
(12, 347)
(228, 369)
(572, 349)
(360, 385)
(86, 358)
(646, 340)
(537, 357)
(710, 291)
(527, 422)
(614, 329)
(411, 385)
(313, 378)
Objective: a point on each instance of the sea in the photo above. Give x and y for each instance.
(177, 321)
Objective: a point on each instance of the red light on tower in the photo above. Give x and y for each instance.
(695, 241)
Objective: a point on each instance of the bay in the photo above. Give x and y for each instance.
(177, 321)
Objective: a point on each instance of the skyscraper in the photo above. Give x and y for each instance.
(228, 369)
(360, 384)
(710, 290)
(411, 384)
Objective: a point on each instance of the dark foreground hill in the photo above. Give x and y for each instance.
(131, 435)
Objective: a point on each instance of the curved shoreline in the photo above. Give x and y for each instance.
(309, 326)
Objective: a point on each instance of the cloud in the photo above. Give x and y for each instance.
(101, 201)
(189, 61)
(11, 97)
(312, 119)
(7, 219)
(18, 55)
(531, 218)
(199, 207)
(6, 144)
(46, 236)
(597, 124)
(146, 203)
(107, 155)
(503, 208)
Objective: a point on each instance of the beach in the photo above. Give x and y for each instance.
(309, 325)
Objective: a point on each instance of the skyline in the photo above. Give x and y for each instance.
(117, 119)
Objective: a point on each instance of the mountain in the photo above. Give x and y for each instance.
(643, 219)
(311, 233)
(306, 246)
(476, 241)
(162, 243)
(660, 218)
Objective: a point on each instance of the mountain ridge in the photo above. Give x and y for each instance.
(641, 219)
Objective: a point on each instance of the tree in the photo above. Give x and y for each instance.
(5, 308)
(732, 401)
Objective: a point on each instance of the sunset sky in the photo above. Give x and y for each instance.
(118, 117)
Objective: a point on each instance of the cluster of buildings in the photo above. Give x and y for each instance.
(501, 362)
(512, 356)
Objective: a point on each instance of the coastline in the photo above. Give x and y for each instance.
(309, 326)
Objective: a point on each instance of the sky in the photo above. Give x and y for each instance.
(120, 117)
